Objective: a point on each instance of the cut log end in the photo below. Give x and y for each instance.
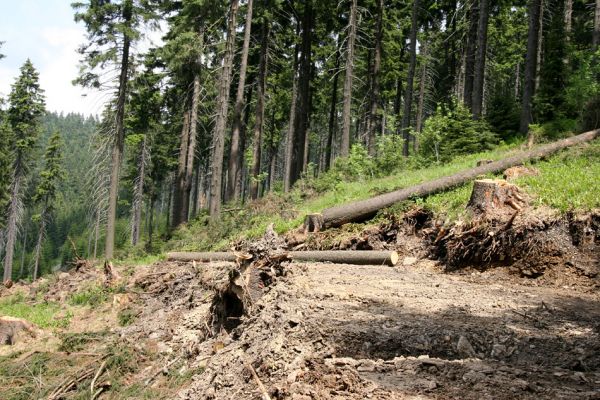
(313, 223)
(495, 196)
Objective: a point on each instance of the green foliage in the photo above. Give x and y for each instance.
(78, 341)
(26, 107)
(127, 316)
(43, 315)
(92, 295)
(6, 160)
(453, 132)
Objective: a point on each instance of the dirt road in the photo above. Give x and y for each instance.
(330, 331)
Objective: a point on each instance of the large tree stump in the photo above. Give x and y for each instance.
(11, 329)
(496, 197)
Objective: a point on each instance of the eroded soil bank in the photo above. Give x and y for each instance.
(267, 328)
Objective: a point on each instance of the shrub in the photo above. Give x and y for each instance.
(450, 133)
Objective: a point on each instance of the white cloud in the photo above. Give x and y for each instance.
(59, 66)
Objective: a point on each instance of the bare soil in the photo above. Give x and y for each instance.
(332, 331)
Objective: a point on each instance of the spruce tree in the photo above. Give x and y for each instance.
(46, 192)
(112, 28)
(26, 106)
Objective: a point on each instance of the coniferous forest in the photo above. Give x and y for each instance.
(246, 98)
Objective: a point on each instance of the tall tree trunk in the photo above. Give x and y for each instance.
(301, 119)
(150, 224)
(289, 147)
(14, 215)
(191, 150)
(234, 166)
(260, 111)
(117, 151)
(374, 113)
(222, 109)
(479, 73)
(138, 194)
(405, 127)
(332, 115)
(596, 34)
(179, 188)
(195, 191)
(470, 54)
(568, 18)
(423, 78)
(530, 64)
(517, 80)
(23, 251)
(349, 76)
(239, 180)
(96, 234)
(40, 239)
(538, 64)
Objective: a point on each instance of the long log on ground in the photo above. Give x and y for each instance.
(358, 257)
(362, 210)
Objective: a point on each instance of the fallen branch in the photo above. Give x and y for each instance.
(263, 390)
(357, 257)
(365, 209)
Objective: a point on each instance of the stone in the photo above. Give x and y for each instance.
(464, 348)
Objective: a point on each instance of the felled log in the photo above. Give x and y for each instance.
(358, 257)
(364, 209)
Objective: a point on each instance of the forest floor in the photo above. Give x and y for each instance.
(316, 330)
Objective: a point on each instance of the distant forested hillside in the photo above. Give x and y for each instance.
(70, 218)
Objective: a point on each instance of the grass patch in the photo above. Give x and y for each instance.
(568, 180)
(92, 296)
(71, 342)
(44, 315)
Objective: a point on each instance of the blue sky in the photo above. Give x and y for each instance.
(45, 32)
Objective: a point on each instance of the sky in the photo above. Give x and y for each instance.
(44, 31)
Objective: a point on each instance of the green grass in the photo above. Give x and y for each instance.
(92, 296)
(42, 314)
(567, 181)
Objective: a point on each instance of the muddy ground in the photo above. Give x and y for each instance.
(330, 331)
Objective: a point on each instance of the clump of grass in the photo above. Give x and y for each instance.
(43, 314)
(127, 316)
(93, 296)
(71, 342)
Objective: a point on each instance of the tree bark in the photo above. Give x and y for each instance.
(117, 151)
(374, 122)
(419, 122)
(530, 65)
(470, 54)
(238, 111)
(222, 108)
(138, 195)
(303, 109)
(290, 140)
(40, 240)
(191, 150)
(179, 189)
(479, 73)
(14, 214)
(405, 127)
(596, 34)
(260, 111)
(349, 76)
(356, 257)
(332, 115)
(538, 63)
(365, 209)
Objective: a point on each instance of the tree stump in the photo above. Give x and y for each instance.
(496, 197)
(313, 222)
(11, 329)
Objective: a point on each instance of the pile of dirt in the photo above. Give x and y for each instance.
(529, 243)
